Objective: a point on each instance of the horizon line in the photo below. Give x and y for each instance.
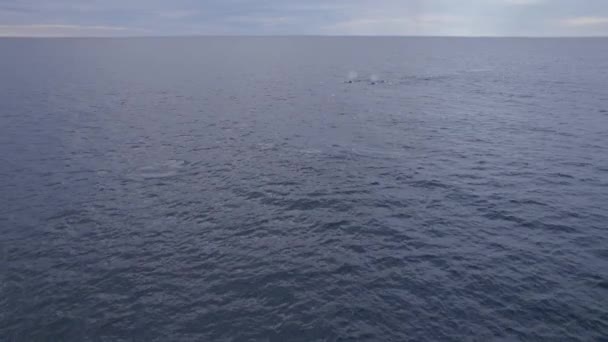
(298, 36)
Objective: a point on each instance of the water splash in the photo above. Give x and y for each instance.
(352, 76)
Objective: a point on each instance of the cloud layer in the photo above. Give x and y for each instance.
(312, 17)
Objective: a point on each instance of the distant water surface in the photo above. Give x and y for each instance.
(303, 189)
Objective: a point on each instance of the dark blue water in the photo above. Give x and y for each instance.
(304, 189)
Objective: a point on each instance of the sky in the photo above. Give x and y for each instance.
(85, 18)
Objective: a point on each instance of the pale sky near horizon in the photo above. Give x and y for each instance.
(57, 18)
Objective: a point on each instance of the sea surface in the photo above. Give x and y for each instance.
(303, 189)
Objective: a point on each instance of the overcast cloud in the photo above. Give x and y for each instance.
(311, 17)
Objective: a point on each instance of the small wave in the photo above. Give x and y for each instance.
(424, 78)
(166, 169)
(310, 151)
(266, 146)
(480, 70)
(430, 184)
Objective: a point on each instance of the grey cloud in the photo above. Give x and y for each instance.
(379, 17)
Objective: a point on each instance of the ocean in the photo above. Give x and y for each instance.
(304, 189)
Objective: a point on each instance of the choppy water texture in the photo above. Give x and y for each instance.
(304, 189)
